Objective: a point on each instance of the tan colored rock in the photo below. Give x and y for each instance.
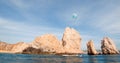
(45, 44)
(48, 43)
(13, 48)
(108, 46)
(19, 47)
(71, 41)
(91, 49)
(5, 46)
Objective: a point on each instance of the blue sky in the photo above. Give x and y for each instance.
(23, 20)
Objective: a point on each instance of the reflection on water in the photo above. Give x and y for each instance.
(92, 59)
(25, 58)
(103, 59)
(60, 60)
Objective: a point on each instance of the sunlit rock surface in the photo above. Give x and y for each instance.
(13, 48)
(48, 43)
(108, 46)
(71, 41)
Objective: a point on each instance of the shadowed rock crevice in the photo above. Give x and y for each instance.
(31, 50)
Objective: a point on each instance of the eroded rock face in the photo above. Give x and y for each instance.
(13, 48)
(108, 46)
(5, 46)
(91, 49)
(48, 43)
(71, 41)
(19, 47)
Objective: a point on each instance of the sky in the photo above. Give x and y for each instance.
(24, 20)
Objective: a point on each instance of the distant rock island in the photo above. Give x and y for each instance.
(49, 44)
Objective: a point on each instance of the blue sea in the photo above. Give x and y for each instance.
(30, 58)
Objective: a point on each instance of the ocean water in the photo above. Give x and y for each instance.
(30, 58)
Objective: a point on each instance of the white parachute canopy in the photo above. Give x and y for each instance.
(74, 16)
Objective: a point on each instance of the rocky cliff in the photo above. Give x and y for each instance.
(71, 41)
(108, 46)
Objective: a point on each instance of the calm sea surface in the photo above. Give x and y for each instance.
(29, 58)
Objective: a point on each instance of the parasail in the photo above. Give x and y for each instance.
(74, 16)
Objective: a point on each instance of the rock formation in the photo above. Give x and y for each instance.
(71, 41)
(19, 47)
(108, 46)
(90, 48)
(48, 43)
(5, 47)
(13, 48)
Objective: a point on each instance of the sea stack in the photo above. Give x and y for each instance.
(71, 41)
(91, 49)
(108, 46)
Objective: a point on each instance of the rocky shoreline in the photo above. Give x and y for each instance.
(49, 44)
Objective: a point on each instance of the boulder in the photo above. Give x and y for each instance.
(108, 46)
(91, 49)
(71, 41)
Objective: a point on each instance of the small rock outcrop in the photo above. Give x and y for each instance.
(71, 41)
(13, 48)
(91, 49)
(108, 46)
(5, 47)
